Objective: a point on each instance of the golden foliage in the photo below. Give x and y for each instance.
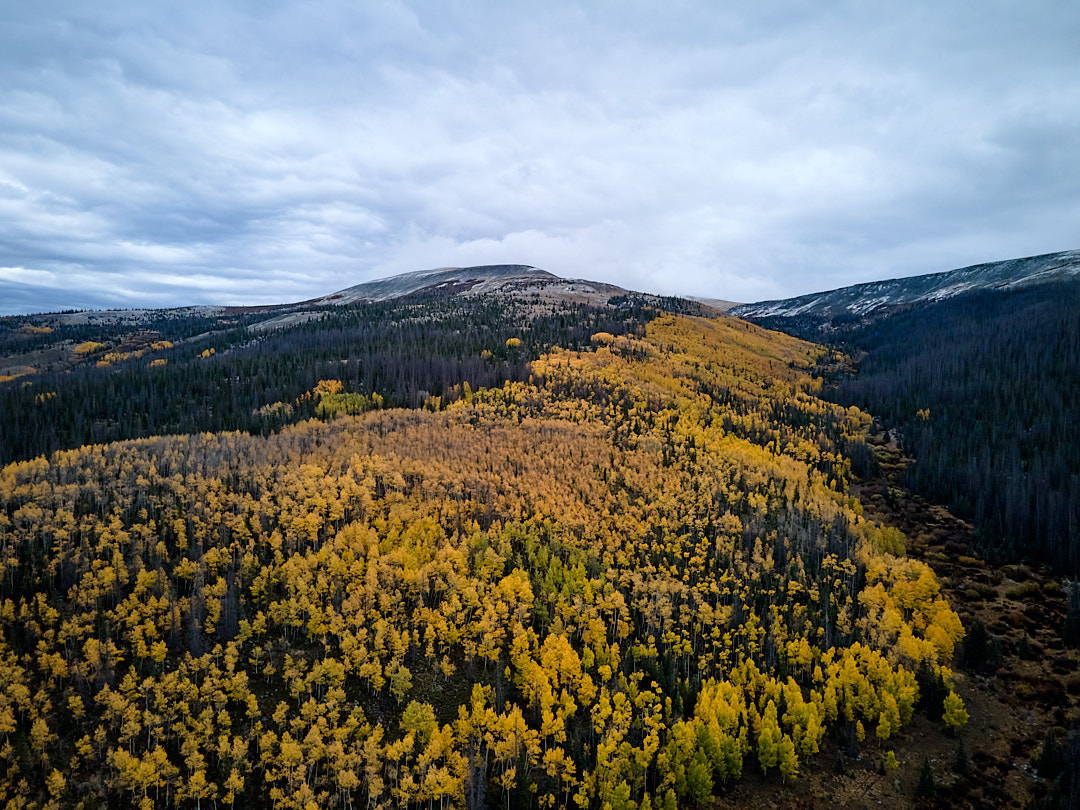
(609, 587)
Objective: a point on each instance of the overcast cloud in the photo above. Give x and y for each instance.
(165, 154)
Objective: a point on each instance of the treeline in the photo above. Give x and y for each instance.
(221, 375)
(622, 584)
(984, 390)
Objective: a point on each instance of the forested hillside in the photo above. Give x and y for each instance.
(623, 578)
(983, 389)
(102, 382)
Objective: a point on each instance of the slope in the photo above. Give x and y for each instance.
(983, 388)
(447, 279)
(99, 382)
(877, 298)
(622, 583)
(978, 372)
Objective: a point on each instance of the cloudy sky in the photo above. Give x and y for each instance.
(160, 154)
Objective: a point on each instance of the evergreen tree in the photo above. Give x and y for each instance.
(960, 760)
(926, 787)
(1071, 632)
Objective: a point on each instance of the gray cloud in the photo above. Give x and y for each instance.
(262, 152)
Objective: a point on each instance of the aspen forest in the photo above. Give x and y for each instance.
(622, 570)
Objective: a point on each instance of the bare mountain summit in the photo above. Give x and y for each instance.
(511, 280)
(447, 279)
(506, 280)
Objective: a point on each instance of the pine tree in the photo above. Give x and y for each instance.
(1051, 758)
(960, 760)
(1071, 631)
(926, 786)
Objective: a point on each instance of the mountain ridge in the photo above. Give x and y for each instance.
(386, 287)
(874, 297)
(520, 281)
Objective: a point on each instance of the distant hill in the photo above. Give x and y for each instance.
(450, 280)
(506, 281)
(719, 304)
(877, 298)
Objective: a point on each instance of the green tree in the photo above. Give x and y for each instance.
(955, 714)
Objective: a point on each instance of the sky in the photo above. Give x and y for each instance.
(157, 154)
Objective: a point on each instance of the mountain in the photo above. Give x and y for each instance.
(519, 281)
(449, 280)
(480, 279)
(876, 298)
(516, 281)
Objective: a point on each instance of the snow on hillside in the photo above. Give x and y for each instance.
(383, 289)
(863, 299)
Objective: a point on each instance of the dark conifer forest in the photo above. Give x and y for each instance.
(984, 390)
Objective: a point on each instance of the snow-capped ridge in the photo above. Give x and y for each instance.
(861, 300)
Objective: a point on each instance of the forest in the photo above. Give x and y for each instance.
(191, 374)
(622, 577)
(983, 390)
